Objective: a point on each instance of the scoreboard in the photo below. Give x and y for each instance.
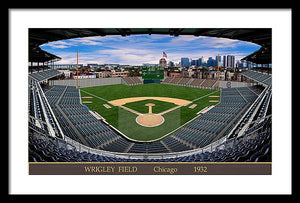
(152, 73)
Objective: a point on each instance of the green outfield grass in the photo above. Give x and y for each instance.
(125, 121)
(112, 92)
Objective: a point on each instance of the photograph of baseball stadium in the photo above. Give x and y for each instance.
(150, 101)
(92, 100)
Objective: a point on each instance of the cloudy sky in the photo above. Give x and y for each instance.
(139, 49)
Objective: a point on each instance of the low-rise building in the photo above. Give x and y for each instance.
(119, 74)
(85, 76)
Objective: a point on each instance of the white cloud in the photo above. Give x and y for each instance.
(138, 50)
(58, 44)
(86, 41)
(184, 38)
(136, 56)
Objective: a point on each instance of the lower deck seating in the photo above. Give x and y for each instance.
(79, 124)
(132, 80)
(260, 77)
(253, 149)
(44, 75)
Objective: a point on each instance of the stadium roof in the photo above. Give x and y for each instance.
(36, 54)
(260, 36)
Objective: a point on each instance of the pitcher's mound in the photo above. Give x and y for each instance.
(150, 120)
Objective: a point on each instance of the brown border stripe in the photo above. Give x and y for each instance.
(149, 168)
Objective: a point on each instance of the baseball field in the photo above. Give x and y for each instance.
(147, 112)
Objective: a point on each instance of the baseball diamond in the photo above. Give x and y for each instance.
(151, 109)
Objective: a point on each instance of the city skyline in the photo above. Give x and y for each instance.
(140, 49)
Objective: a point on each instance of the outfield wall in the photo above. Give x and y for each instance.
(88, 82)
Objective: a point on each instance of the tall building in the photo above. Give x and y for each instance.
(185, 62)
(224, 61)
(210, 61)
(162, 62)
(219, 60)
(230, 61)
(194, 62)
(201, 61)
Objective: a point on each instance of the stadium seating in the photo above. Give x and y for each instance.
(44, 75)
(259, 77)
(183, 81)
(132, 81)
(60, 107)
(196, 82)
(199, 133)
(254, 148)
(208, 83)
(80, 124)
(41, 113)
(167, 80)
(175, 81)
(191, 82)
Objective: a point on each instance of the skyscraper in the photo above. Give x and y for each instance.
(210, 61)
(201, 61)
(217, 61)
(185, 62)
(224, 61)
(230, 61)
(194, 62)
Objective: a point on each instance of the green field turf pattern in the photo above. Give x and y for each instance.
(126, 122)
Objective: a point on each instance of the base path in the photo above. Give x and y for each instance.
(150, 119)
(130, 110)
(169, 110)
(106, 106)
(192, 106)
(179, 102)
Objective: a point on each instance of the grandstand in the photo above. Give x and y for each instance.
(196, 82)
(44, 75)
(208, 83)
(237, 129)
(81, 126)
(259, 77)
(132, 81)
(183, 81)
(191, 82)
